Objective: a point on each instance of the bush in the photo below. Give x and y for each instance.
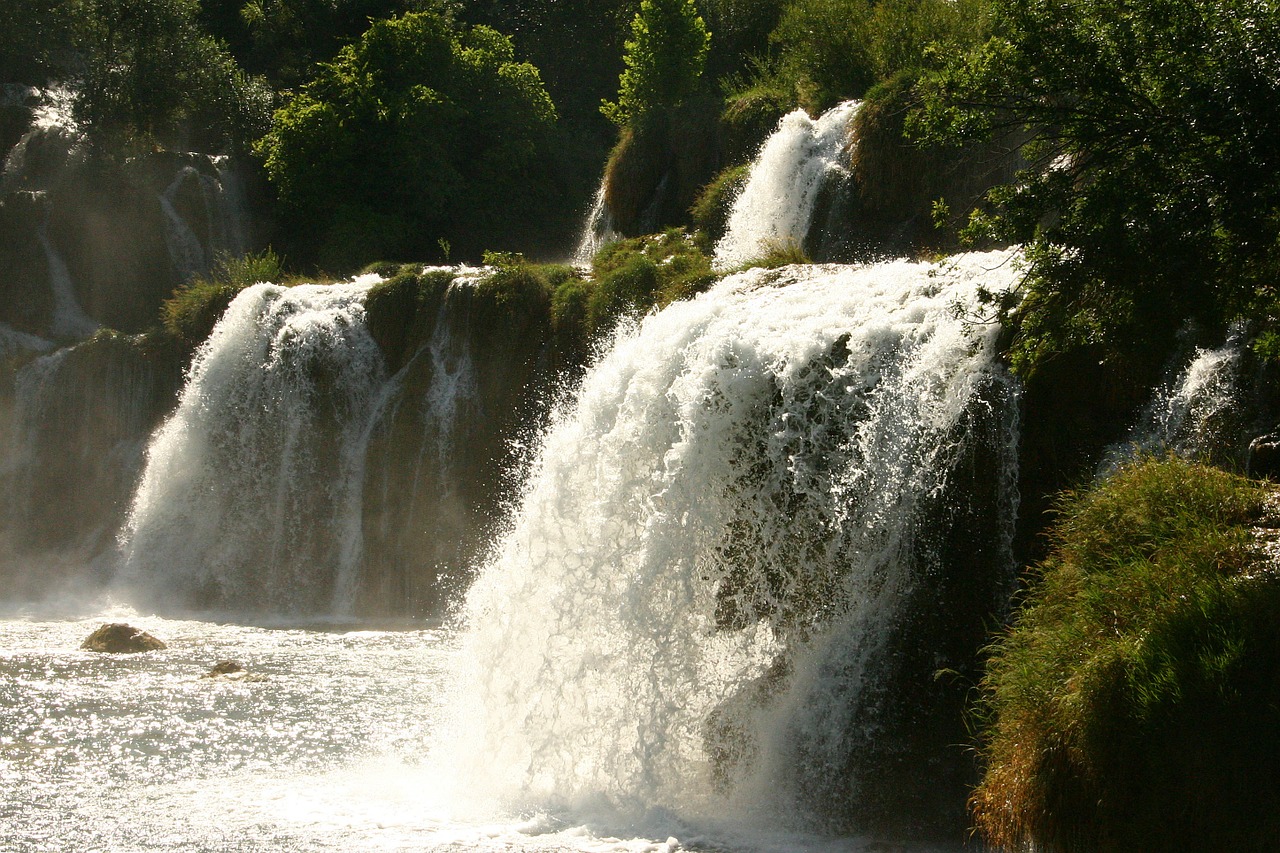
(1135, 703)
(432, 133)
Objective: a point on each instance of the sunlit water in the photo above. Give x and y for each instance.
(330, 746)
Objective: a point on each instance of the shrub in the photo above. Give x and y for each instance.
(431, 133)
(1134, 704)
(190, 314)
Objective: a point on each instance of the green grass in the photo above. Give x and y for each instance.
(1134, 704)
(190, 314)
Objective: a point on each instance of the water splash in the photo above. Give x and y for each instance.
(722, 534)
(251, 494)
(776, 204)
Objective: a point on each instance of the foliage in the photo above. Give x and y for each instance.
(432, 130)
(1155, 151)
(1133, 703)
(710, 212)
(832, 50)
(284, 39)
(779, 254)
(153, 75)
(664, 59)
(34, 39)
(193, 310)
(682, 270)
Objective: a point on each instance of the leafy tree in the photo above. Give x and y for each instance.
(34, 35)
(153, 74)
(422, 131)
(664, 59)
(1154, 142)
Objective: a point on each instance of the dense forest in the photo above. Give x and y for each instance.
(1131, 148)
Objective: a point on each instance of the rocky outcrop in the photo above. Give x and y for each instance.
(118, 638)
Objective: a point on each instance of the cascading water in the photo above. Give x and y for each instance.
(251, 494)
(69, 321)
(776, 204)
(597, 231)
(732, 538)
(1193, 414)
(221, 209)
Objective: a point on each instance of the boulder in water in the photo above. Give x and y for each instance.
(119, 638)
(232, 670)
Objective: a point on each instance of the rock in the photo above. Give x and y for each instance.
(119, 638)
(225, 667)
(232, 670)
(1264, 456)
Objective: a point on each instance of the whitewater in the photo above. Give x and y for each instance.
(732, 499)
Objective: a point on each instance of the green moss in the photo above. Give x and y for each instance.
(711, 209)
(1135, 702)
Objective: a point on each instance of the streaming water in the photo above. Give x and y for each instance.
(776, 204)
(679, 644)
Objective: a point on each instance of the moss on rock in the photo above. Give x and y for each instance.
(1135, 702)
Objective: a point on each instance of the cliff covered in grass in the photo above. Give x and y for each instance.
(1134, 704)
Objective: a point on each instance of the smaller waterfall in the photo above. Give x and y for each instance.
(69, 320)
(220, 206)
(597, 231)
(252, 491)
(776, 204)
(1191, 414)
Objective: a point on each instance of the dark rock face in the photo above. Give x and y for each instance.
(119, 638)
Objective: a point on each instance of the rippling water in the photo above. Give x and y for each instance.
(327, 748)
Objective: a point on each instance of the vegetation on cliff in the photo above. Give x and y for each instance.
(1152, 190)
(1133, 703)
(422, 134)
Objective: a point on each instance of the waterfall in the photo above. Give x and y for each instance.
(69, 320)
(760, 506)
(597, 231)
(220, 205)
(776, 204)
(1194, 414)
(252, 490)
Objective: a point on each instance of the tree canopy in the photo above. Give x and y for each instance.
(1153, 140)
(422, 134)
(664, 59)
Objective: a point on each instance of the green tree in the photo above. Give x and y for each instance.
(1153, 191)
(664, 60)
(152, 74)
(421, 131)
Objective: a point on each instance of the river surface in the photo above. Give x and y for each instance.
(330, 745)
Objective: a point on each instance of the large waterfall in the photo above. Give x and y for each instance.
(734, 545)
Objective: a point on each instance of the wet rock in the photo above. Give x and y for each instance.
(225, 667)
(119, 638)
(1264, 456)
(232, 670)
